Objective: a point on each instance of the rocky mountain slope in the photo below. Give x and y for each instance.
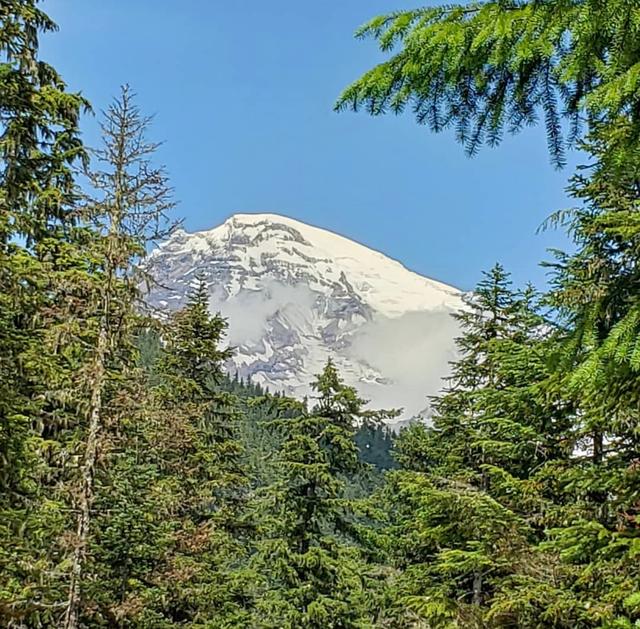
(296, 294)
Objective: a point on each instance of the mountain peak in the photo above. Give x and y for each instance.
(252, 218)
(296, 294)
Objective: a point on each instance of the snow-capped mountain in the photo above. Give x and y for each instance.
(295, 295)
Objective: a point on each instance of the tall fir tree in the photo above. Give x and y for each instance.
(593, 534)
(44, 274)
(490, 67)
(173, 528)
(314, 568)
(127, 207)
(465, 510)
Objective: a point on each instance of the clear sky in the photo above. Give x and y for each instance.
(243, 91)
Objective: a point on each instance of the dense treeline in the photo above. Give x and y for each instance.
(141, 486)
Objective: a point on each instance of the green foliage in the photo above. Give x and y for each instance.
(141, 486)
(594, 529)
(464, 509)
(39, 141)
(314, 568)
(540, 419)
(48, 288)
(173, 528)
(489, 67)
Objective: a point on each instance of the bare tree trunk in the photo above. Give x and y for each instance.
(72, 613)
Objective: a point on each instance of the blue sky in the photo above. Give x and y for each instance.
(243, 91)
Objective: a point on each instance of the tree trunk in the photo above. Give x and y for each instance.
(72, 614)
(598, 447)
(477, 588)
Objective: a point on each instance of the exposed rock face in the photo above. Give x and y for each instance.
(296, 295)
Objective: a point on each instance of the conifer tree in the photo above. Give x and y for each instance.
(40, 140)
(42, 267)
(128, 208)
(315, 570)
(464, 509)
(490, 67)
(593, 537)
(38, 148)
(173, 530)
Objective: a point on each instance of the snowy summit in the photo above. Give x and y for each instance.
(297, 294)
